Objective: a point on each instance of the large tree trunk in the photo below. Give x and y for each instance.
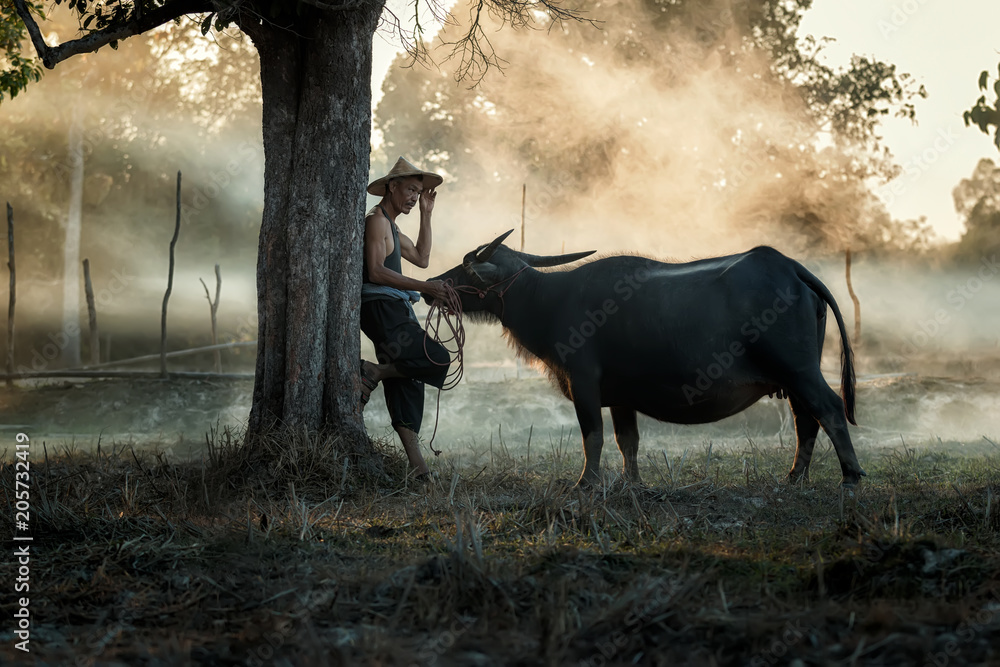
(316, 85)
(71, 249)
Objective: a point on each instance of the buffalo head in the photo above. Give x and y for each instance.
(487, 271)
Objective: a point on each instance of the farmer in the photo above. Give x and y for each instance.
(407, 358)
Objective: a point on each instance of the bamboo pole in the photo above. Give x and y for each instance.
(213, 308)
(13, 299)
(524, 196)
(170, 285)
(854, 298)
(95, 340)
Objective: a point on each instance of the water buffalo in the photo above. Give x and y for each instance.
(687, 343)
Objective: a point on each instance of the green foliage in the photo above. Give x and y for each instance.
(97, 15)
(16, 71)
(982, 114)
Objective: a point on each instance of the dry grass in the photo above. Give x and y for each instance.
(293, 555)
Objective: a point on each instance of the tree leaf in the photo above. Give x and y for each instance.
(965, 117)
(984, 77)
(996, 88)
(206, 25)
(113, 44)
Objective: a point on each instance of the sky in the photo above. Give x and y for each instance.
(943, 45)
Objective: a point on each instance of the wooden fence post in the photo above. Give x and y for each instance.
(95, 341)
(170, 285)
(854, 298)
(13, 282)
(213, 308)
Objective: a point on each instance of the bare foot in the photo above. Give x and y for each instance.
(369, 380)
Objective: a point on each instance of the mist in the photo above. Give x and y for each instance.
(681, 148)
(692, 148)
(164, 103)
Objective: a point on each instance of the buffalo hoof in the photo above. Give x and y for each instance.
(851, 480)
(588, 481)
(797, 478)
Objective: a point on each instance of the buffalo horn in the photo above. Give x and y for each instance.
(553, 260)
(487, 252)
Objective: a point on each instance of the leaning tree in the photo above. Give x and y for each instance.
(315, 70)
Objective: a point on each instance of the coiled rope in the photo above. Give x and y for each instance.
(447, 316)
(448, 313)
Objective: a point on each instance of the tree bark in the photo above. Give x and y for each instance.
(316, 85)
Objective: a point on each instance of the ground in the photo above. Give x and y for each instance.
(158, 550)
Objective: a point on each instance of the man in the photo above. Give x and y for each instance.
(407, 358)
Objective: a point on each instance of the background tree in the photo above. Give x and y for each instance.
(719, 112)
(315, 65)
(180, 102)
(977, 199)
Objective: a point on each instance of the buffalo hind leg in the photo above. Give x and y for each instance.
(627, 437)
(587, 401)
(806, 430)
(827, 407)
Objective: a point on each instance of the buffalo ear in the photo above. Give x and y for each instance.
(487, 252)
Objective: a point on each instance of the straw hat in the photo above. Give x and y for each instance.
(401, 169)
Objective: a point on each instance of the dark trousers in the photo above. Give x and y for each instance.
(399, 340)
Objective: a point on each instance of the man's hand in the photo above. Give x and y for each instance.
(427, 201)
(436, 290)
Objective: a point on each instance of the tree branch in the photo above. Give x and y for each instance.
(138, 24)
(334, 6)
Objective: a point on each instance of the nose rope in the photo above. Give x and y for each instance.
(450, 312)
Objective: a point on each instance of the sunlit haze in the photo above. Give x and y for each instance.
(943, 46)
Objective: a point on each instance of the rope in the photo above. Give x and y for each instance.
(450, 313)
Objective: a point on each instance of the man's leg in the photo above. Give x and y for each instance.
(411, 445)
(405, 400)
(379, 372)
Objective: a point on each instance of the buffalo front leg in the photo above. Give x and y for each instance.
(806, 430)
(627, 437)
(587, 401)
